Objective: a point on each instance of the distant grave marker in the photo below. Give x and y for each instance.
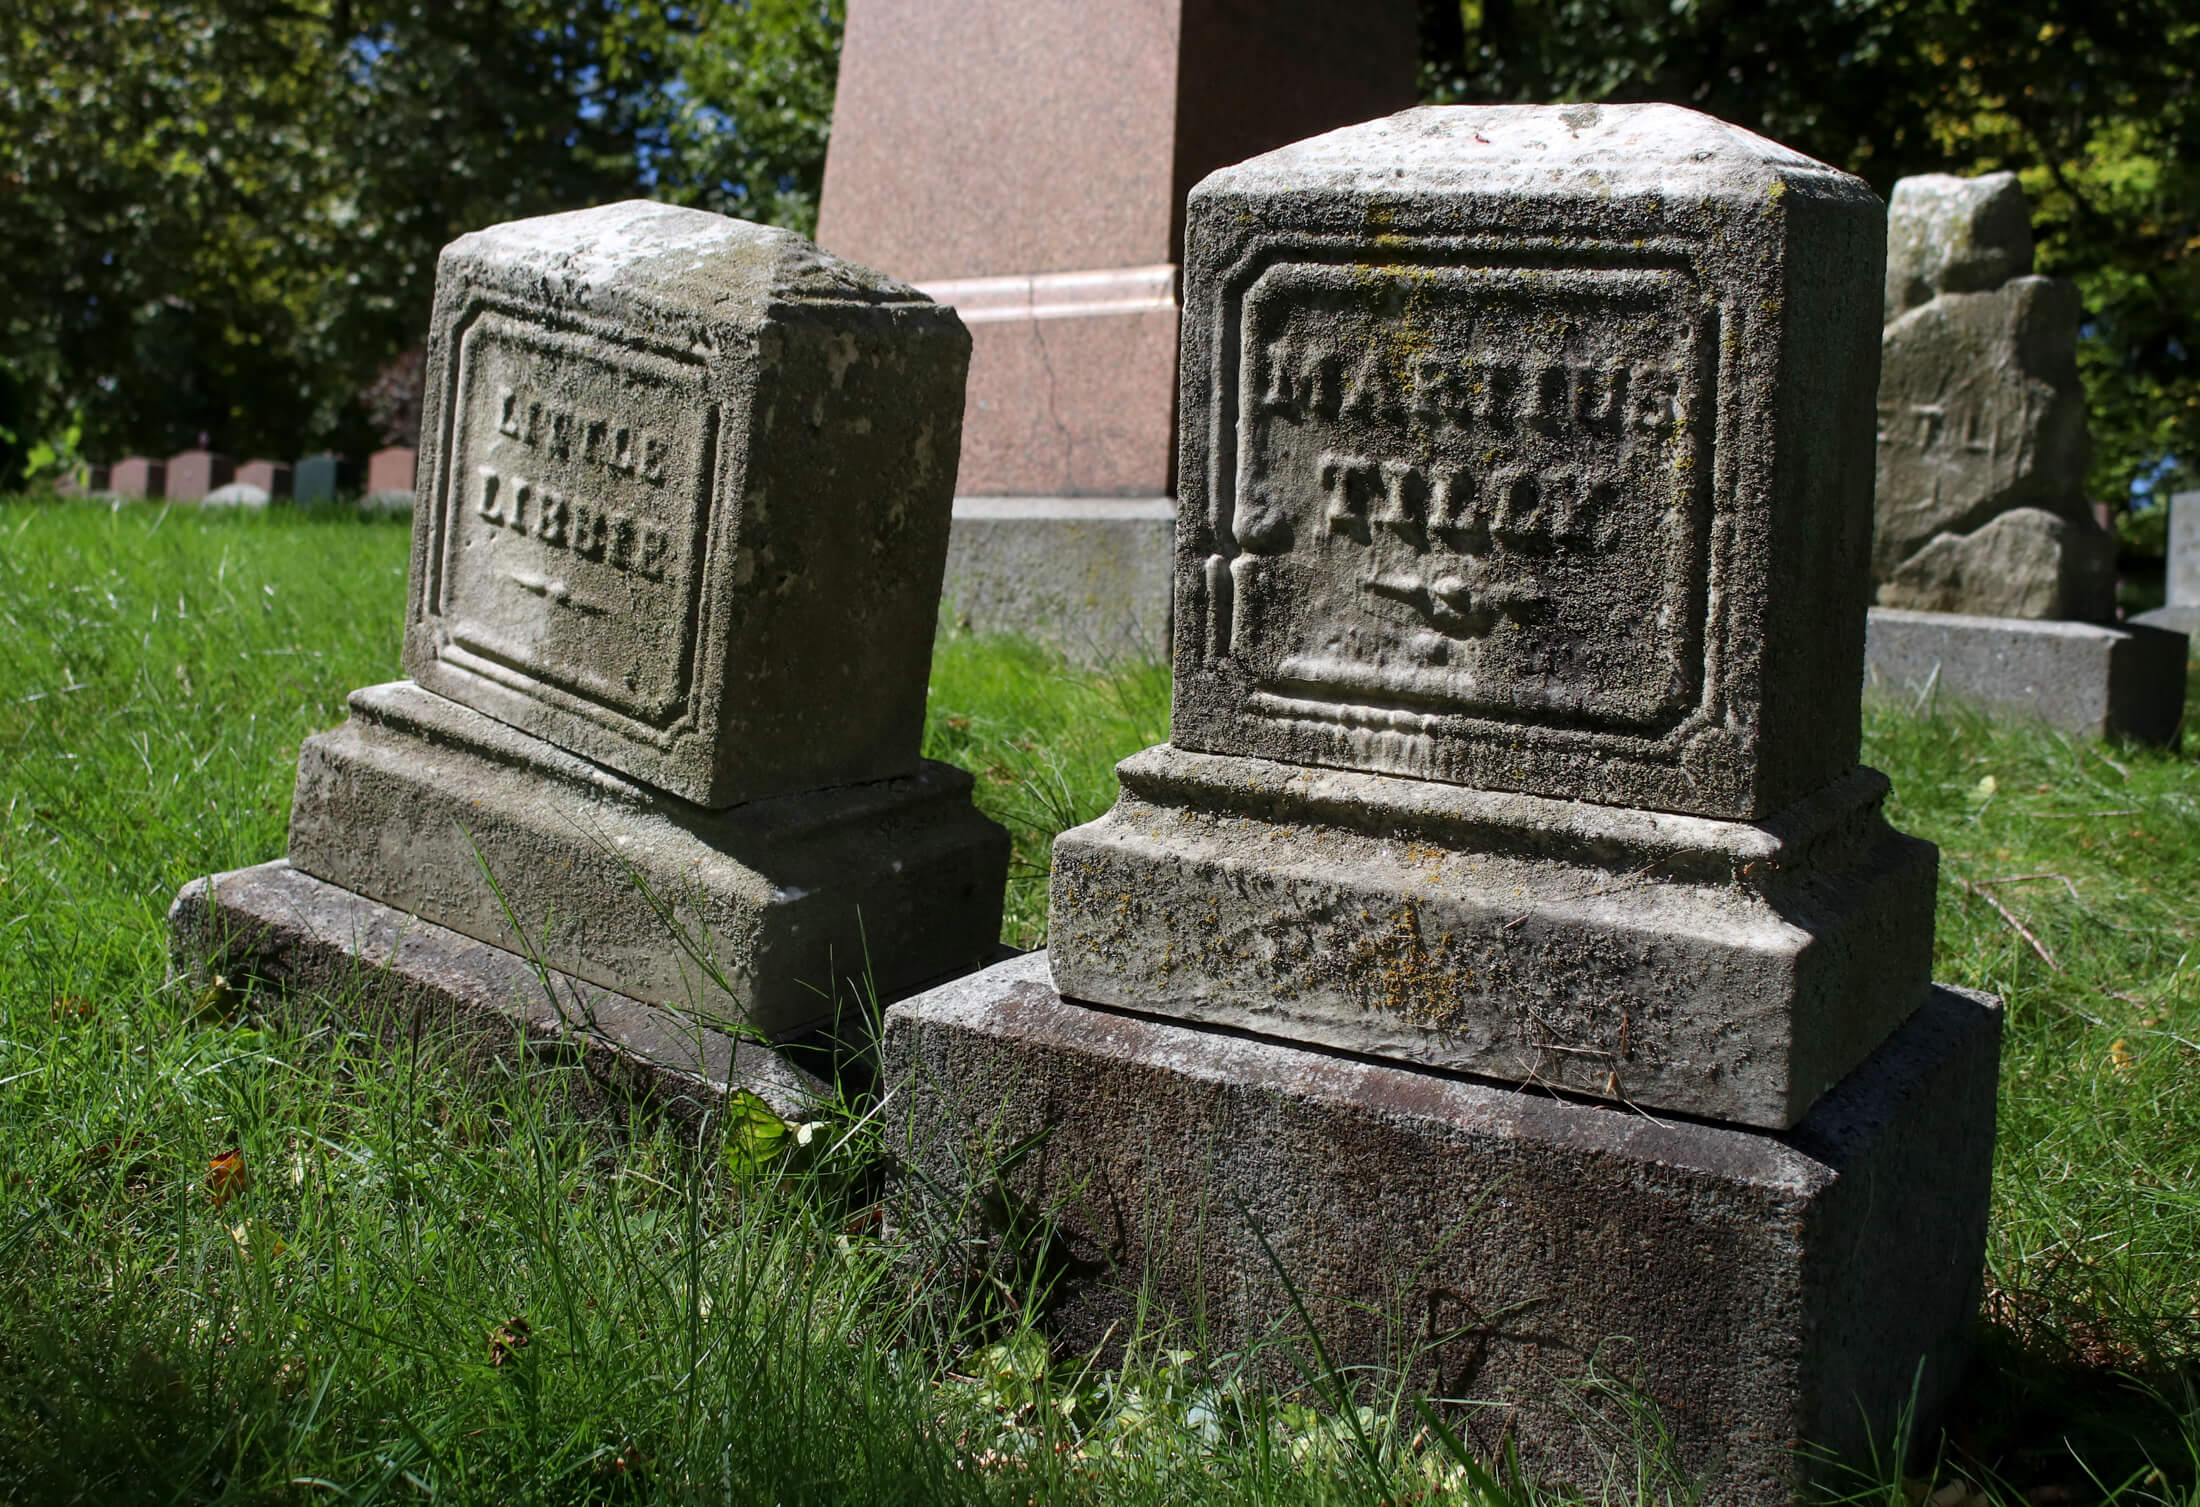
(194, 473)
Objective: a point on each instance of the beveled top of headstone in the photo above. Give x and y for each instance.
(685, 487)
(1531, 448)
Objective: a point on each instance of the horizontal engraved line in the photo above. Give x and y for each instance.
(1059, 295)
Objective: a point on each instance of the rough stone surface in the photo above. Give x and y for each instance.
(1954, 235)
(1760, 1290)
(138, 476)
(1982, 417)
(685, 487)
(324, 478)
(1535, 454)
(273, 477)
(327, 952)
(2124, 682)
(2026, 563)
(794, 899)
(194, 473)
(1088, 576)
(1730, 969)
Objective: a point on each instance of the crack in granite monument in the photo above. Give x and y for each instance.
(686, 493)
(1522, 565)
(1996, 583)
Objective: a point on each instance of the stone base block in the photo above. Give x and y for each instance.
(2127, 682)
(1730, 969)
(794, 901)
(1505, 1248)
(2173, 618)
(1090, 576)
(325, 950)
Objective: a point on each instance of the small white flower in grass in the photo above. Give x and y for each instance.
(805, 1133)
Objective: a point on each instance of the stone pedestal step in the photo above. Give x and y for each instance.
(1508, 1248)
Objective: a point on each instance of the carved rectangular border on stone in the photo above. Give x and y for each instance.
(1532, 451)
(632, 543)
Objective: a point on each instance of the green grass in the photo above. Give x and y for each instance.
(345, 1325)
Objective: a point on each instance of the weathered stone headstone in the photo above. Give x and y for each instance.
(138, 476)
(1981, 508)
(1982, 439)
(194, 473)
(1522, 561)
(1027, 161)
(324, 478)
(271, 476)
(685, 503)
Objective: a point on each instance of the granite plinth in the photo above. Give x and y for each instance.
(1762, 1291)
(2122, 682)
(1727, 969)
(2174, 618)
(794, 899)
(325, 952)
(1090, 576)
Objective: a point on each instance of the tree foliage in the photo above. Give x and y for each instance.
(222, 216)
(2093, 102)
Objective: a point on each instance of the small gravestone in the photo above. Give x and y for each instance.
(138, 476)
(1982, 435)
(1995, 581)
(1521, 571)
(324, 478)
(390, 473)
(273, 477)
(238, 494)
(675, 566)
(194, 473)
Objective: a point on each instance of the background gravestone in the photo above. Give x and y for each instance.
(1996, 584)
(1026, 161)
(194, 473)
(391, 471)
(1982, 441)
(2180, 609)
(324, 478)
(138, 476)
(1522, 560)
(271, 476)
(674, 575)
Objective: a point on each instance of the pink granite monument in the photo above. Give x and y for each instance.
(270, 476)
(390, 470)
(1027, 162)
(194, 473)
(138, 476)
